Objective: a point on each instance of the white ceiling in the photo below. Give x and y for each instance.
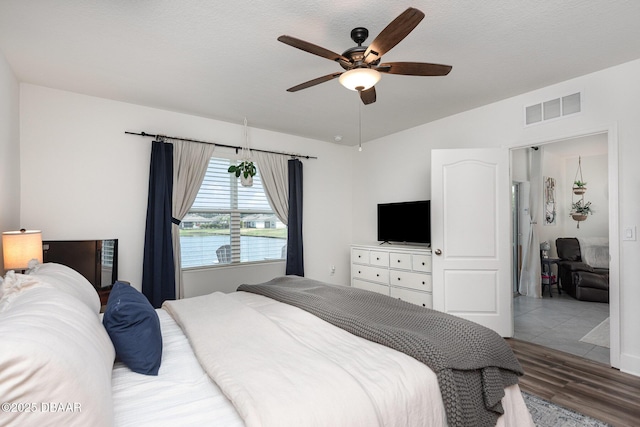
(222, 60)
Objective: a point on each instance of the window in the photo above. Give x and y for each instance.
(229, 223)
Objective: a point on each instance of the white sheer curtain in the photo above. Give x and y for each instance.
(530, 279)
(190, 161)
(275, 181)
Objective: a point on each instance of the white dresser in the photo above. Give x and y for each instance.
(402, 272)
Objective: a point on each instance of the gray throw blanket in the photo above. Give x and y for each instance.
(473, 363)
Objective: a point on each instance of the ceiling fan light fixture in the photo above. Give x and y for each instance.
(359, 78)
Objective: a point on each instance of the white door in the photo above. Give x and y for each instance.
(470, 236)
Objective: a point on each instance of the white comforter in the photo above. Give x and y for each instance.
(281, 366)
(181, 395)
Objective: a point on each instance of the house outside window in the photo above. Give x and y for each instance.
(229, 223)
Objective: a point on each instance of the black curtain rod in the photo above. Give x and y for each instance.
(235, 147)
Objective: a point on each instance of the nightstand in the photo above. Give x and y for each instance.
(104, 297)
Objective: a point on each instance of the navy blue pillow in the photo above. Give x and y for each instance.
(134, 328)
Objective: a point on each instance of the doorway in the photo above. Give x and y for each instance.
(551, 321)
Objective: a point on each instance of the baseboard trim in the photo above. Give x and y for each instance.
(630, 364)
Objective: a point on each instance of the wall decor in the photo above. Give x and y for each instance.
(549, 201)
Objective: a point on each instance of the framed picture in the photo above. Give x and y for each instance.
(549, 201)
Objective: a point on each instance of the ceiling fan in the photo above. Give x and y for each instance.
(362, 63)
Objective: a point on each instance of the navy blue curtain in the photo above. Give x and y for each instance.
(295, 258)
(158, 271)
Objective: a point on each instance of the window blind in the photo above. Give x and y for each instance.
(229, 223)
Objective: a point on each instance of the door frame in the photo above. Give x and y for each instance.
(611, 130)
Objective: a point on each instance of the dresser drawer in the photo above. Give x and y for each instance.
(359, 256)
(407, 279)
(379, 258)
(421, 263)
(423, 299)
(400, 260)
(372, 274)
(373, 287)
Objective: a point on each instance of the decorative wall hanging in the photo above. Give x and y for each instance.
(579, 208)
(549, 201)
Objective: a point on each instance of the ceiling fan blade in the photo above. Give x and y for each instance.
(393, 34)
(314, 82)
(368, 96)
(414, 68)
(312, 48)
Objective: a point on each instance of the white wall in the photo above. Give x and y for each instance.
(9, 152)
(519, 165)
(610, 101)
(83, 178)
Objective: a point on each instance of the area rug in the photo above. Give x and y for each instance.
(547, 414)
(598, 335)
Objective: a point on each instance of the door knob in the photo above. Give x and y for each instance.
(438, 252)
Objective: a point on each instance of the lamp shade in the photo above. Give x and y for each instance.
(359, 78)
(20, 247)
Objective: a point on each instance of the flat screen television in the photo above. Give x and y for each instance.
(96, 260)
(406, 222)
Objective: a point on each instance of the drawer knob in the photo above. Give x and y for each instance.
(398, 260)
(359, 272)
(423, 282)
(424, 305)
(377, 258)
(398, 279)
(377, 275)
(423, 263)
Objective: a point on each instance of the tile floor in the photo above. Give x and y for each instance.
(559, 323)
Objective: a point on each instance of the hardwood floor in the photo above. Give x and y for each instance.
(586, 386)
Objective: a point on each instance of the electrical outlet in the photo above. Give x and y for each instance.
(333, 270)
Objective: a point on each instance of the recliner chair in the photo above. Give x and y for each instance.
(578, 279)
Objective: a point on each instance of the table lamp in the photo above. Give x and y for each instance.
(20, 247)
(545, 247)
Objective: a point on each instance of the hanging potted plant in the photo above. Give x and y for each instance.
(579, 187)
(580, 210)
(245, 171)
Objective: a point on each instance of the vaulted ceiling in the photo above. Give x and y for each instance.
(222, 60)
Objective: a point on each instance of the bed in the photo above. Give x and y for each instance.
(257, 362)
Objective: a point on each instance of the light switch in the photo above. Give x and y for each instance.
(629, 233)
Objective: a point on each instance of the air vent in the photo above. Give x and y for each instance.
(553, 109)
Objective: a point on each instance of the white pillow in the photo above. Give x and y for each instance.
(54, 351)
(68, 280)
